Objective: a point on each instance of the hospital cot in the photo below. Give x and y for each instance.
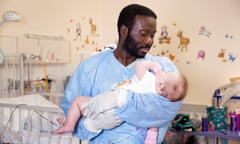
(31, 119)
(26, 119)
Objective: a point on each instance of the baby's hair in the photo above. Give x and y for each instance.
(185, 86)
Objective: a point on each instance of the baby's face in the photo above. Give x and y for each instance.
(169, 85)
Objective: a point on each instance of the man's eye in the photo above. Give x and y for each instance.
(147, 34)
(143, 33)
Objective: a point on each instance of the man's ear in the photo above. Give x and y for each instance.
(124, 31)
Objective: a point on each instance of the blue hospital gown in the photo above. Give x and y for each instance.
(98, 74)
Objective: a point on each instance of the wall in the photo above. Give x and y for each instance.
(209, 62)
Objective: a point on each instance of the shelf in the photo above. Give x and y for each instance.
(52, 51)
(223, 134)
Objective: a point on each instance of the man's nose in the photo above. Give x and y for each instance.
(148, 40)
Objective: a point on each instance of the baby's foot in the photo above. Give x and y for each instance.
(63, 129)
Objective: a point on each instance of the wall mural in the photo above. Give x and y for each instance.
(184, 44)
(164, 38)
(204, 32)
(183, 41)
(201, 54)
(83, 33)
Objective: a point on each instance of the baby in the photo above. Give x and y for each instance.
(149, 78)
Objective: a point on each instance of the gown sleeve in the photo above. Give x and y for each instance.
(148, 110)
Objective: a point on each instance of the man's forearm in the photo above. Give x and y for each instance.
(147, 111)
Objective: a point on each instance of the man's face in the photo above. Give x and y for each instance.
(140, 37)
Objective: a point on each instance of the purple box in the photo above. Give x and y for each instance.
(204, 124)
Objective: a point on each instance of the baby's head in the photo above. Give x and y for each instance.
(171, 85)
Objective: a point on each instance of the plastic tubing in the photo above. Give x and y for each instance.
(45, 75)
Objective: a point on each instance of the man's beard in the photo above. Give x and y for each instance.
(130, 45)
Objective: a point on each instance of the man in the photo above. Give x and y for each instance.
(99, 73)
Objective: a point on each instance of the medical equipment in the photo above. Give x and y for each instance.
(1, 56)
(27, 118)
(223, 94)
(11, 76)
(10, 16)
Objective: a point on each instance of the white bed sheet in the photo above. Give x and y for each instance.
(31, 100)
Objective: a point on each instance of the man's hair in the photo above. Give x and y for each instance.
(128, 14)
